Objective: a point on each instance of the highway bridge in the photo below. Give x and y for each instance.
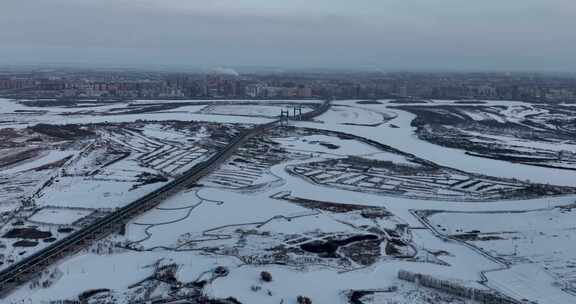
(25, 269)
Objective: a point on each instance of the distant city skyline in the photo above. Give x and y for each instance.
(451, 35)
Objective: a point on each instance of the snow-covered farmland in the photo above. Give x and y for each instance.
(326, 208)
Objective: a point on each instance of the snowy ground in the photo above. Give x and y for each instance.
(55, 178)
(355, 115)
(254, 214)
(263, 110)
(59, 216)
(537, 135)
(534, 244)
(399, 134)
(17, 115)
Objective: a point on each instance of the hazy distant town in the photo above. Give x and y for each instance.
(226, 83)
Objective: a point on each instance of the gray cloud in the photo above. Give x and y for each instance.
(396, 34)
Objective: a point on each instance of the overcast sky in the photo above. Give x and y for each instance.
(366, 34)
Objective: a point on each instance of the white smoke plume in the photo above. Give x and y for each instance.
(225, 71)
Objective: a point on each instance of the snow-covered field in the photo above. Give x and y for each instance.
(322, 236)
(323, 144)
(58, 216)
(268, 111)
(355, 115)
(534, 244)
(16, 115)
(48, 158)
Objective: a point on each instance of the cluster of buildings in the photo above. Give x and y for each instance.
(169, 87)
(150, 85)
